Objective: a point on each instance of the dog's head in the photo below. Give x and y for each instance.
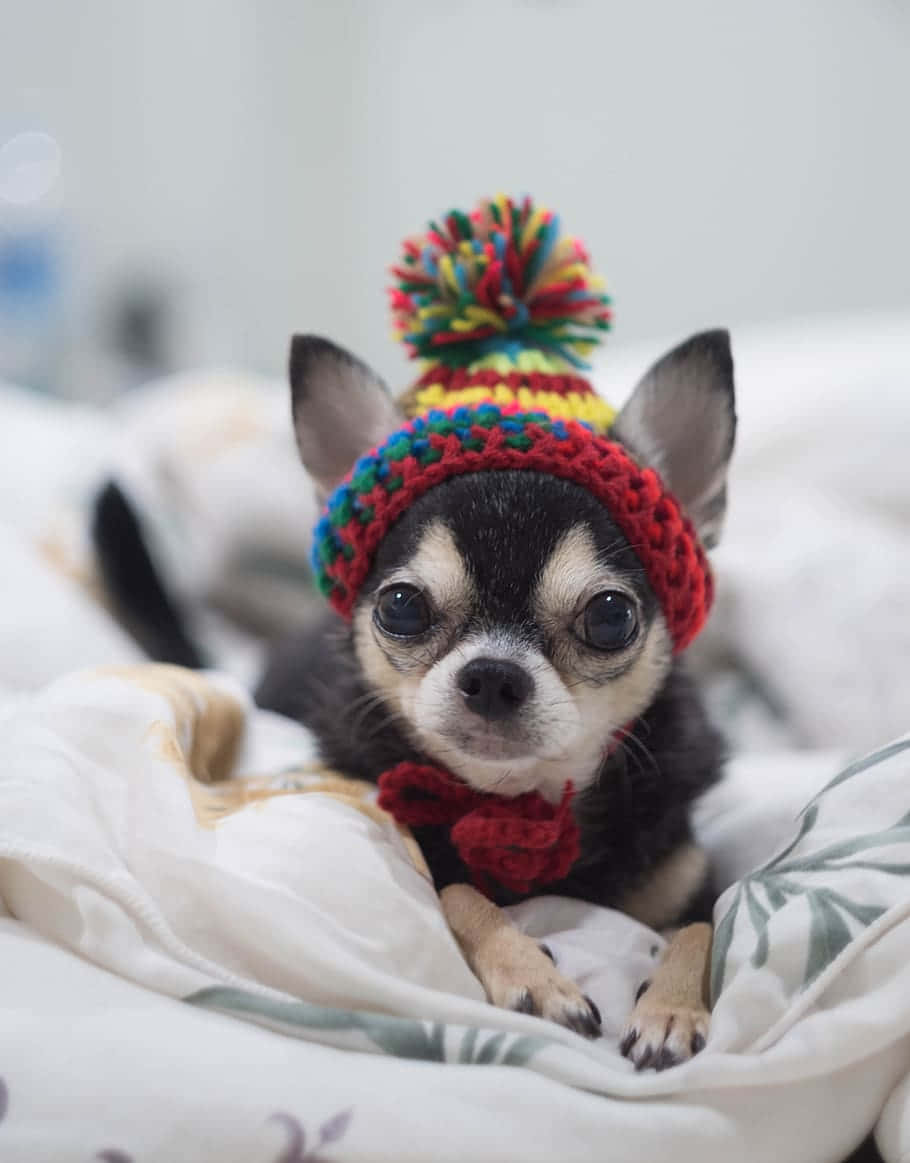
(506, 620)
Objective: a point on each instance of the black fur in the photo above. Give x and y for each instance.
(505, 524)
(133, 584)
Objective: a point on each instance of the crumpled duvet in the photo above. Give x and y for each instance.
(193, 893)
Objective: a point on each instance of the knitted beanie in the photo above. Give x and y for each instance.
(502, 309)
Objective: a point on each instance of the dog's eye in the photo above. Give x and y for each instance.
(402, 610)
(610, 621)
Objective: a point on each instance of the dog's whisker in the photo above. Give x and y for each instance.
(630, 737)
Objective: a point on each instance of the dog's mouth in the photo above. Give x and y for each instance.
(503, 746)
(492, 747)
(518, 741)
(496, 768)
(496, 759)
(507, 758)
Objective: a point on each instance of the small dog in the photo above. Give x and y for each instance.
(507, 632)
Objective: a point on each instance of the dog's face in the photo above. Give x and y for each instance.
(507, 621)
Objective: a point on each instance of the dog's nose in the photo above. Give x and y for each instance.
(493, 688)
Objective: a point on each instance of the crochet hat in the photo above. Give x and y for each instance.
(501, 310)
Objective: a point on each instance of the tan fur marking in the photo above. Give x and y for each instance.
(572, 576)
(396, 688)
(572, 569)
(668, 889)
(670, 1020)
(509, 964)
(437, 566)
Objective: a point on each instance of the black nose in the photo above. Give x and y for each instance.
(494, 688)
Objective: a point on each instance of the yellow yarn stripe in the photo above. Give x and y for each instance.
(529, 360)
(590, 409)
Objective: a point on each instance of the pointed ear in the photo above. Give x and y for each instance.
(341, 408)
(681, 420)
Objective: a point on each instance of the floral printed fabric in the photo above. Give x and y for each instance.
(785, 930)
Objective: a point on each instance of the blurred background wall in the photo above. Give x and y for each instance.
(185, 182)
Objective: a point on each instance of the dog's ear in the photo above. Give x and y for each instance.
(341, 408)
(681, 420)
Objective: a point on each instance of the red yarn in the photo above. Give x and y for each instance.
(520, 843)
(649, 516)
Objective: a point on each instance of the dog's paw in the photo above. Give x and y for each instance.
(660, 1034)
(518, 974)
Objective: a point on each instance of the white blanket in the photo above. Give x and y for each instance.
(131, 887)
(176, 917)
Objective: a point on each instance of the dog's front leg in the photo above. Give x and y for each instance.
(670, 1020)
(516, 972)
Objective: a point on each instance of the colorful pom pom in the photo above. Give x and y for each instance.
(500, 280)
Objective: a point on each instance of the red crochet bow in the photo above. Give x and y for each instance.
(520, 842)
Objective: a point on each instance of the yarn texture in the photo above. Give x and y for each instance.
(520, 842)
(501, 308)
(502, 278)
(441, 445)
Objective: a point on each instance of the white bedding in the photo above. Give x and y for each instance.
(124, 901)
(192, 917)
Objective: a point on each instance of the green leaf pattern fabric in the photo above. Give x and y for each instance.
(846, 867)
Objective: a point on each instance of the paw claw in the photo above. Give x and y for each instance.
(659, 1036)
(585, 1022)
(628, 1042)
(522, 977)
(645, 1060)
(524, 1003)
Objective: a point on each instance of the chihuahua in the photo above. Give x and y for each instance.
(508, 633)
